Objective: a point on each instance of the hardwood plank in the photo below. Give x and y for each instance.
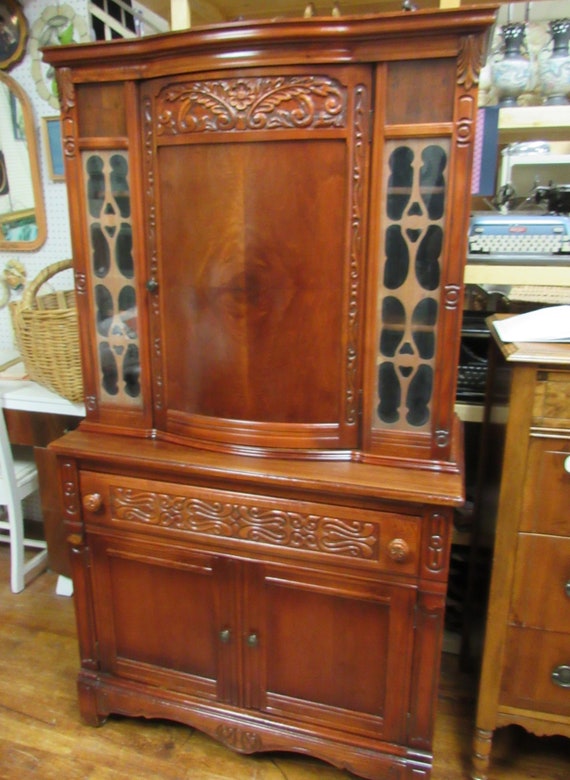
(42, 736)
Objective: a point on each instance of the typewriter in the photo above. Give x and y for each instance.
(519, 238)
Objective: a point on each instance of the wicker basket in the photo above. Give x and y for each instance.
(47, 335)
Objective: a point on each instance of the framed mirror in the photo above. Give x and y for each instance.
(22, 213)
(13, 33)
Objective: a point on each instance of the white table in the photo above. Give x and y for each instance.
(27, 396)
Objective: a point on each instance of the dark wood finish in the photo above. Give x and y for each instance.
(269, 279)
(527, 637)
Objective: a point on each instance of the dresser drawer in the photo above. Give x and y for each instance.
(551, 408)
(547, 487)
(254, 524)
(533, 661)
(541, 590)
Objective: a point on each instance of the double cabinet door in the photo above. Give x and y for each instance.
(296, 643)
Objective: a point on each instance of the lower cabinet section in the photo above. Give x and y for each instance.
(269, 623)
(292, 643)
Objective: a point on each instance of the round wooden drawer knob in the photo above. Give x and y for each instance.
(399, 550)
(92, 502)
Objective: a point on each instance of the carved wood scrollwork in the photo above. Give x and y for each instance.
(333, 535)
(239, 739)
(71, 506)
(437, 543)
(470, 61)
(264, 103)
(66, 92)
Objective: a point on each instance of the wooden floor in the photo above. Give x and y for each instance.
(42, 736)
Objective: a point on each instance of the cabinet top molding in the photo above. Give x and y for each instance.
(248, 43)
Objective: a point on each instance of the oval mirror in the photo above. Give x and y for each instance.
(22, 214)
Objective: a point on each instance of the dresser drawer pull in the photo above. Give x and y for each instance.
(561, 676)
(567, 588)
(253, 640)
(399, 550)
(225, 636)
(92, 502)
(567, 464)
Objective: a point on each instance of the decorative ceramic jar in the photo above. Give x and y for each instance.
(554, 65)
(511, 67)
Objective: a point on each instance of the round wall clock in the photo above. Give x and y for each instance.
(57, 25)
(13, 33)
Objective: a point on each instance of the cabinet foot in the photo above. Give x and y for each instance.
(482, 743)
(88, 705)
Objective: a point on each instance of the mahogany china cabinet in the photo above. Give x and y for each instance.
(269, 224)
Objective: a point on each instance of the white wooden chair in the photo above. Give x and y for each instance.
(18, 479)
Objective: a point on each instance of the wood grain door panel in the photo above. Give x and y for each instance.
(336, 651)
(541, 597)
(159, 613)
(531, 657)
(547, 489)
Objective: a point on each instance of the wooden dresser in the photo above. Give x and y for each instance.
(525, 676)
(269, 226)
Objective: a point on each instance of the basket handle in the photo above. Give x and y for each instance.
(32, 288)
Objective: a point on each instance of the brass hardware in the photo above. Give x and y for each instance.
(92, 502)
(561, 676)
(567, 464)
(225, 635)
(152, 285)
(399, 550)
(253, 640)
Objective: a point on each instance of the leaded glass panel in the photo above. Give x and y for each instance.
(111, 264)
(412, 222)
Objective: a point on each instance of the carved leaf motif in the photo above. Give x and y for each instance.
(262, 525)
(470, 61)
(250, 104)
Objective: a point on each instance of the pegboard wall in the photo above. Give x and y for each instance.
(58, 242)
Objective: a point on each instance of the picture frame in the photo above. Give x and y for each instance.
(13, 33)
(51, 130)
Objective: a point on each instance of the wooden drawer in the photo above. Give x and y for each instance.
(541, 590)
(551, 408)
(256, 524)
(531, 658)
(547, 487)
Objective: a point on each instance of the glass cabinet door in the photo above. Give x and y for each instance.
(109, 226)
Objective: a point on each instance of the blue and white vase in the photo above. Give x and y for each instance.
(511, 68)
(554, 65)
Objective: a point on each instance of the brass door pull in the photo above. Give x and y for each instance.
(92, 502)
(561, 676)
(399, 550)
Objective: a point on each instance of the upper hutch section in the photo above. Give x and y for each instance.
(269, 228)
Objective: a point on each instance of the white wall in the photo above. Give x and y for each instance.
(58, 243)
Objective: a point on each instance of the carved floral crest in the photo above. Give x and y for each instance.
(265, 103)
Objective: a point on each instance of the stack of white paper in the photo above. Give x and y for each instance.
(549, 324)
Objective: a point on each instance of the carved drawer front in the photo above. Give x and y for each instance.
(536, 670)
(547, 487)
(551, 407)
(224, 520)
(541, 591)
